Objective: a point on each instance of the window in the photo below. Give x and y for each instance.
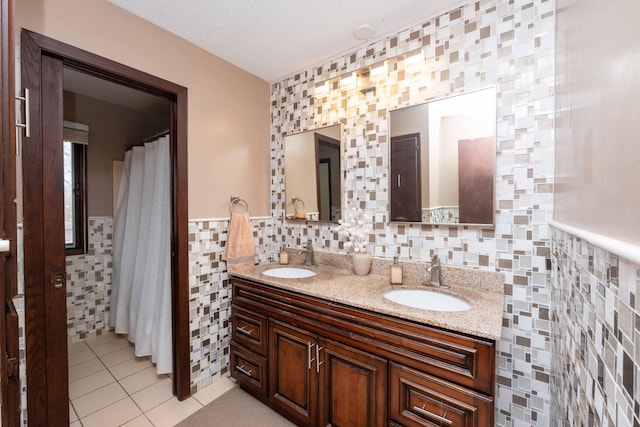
(75, 189)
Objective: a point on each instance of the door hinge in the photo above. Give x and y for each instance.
(58, 280)
(12, 366)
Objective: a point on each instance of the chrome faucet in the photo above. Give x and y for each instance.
(434, 271)
(309, 250)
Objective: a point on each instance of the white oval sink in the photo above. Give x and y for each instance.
(427, 300)
(289, 273)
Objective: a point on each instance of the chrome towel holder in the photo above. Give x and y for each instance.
(238, 201)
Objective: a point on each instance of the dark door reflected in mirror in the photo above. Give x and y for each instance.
(442, 160)
(313, 175)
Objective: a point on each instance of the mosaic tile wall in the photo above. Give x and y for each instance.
(595, 322)
(89, 282)
(210, 296)
(508, 44)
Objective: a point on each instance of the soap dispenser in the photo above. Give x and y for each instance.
(395, 272)
(283, 257)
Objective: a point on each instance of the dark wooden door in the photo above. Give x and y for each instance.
(293, 380)
(476, 165)
(353, 386)
(44, 243)
(9, 375)
(45, 304)
(405, 186)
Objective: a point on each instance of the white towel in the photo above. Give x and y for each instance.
(240, 251)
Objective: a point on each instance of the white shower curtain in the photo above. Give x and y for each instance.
(141, 285)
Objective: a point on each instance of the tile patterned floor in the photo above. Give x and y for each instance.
(110, 386)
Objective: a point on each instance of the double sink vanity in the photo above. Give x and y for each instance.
(323, 346)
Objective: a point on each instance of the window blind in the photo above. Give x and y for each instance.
(76, 133)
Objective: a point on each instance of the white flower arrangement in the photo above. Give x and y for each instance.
(356, 230)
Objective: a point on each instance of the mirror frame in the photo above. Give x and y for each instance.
(314, 132)
(495, 152)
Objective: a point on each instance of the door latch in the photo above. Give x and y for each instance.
(58, 280)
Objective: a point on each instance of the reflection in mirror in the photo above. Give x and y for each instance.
(313, 175)
(442, 160)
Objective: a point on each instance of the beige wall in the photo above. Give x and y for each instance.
(597, 117)
(111, 127)
(228, 108)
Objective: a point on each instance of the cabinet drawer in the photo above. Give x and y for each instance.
(419, 399)
(249, 329)
(249, 369)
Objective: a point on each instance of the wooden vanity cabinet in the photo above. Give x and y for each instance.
(321, 363)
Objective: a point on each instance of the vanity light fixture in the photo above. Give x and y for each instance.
(364, 83)
(379, 71)
(348, 82)
(321, 89)
(415, 58)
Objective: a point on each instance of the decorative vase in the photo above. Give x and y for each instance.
(361, 263)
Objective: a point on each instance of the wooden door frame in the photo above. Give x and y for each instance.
(9, 345)
(320, 139)
(39, 356)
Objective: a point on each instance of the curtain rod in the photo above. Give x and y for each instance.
(147, 139)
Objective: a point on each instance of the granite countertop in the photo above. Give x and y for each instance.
(340, 285)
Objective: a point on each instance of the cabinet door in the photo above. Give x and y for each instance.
(419, 399)
(293, 381)
(353, 386)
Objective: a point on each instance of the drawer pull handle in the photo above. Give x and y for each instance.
(442, 418)
(248, 372)
(244, 330)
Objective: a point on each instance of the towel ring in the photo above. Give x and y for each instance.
(235, 201)
(296, 200)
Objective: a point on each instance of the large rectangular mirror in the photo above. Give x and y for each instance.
(313, 175)
(442, 160)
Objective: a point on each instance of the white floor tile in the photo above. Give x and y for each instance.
(213, 391)
(172, 412)
(101, 339)
(118, 356)
(154, 395)
(81, 357)
(77, 347)
(141, 421)
(140, 380)
(98, 399)
(130, 367)
(90, 383)
(116, 414)
(111, 346)
(75, 424)
(87, 368)
(72, 414)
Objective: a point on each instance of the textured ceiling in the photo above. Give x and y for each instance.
(276, 38)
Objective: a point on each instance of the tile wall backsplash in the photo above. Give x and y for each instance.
(210, 296)
(89, 282)
(508, 44)
(595, 324)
